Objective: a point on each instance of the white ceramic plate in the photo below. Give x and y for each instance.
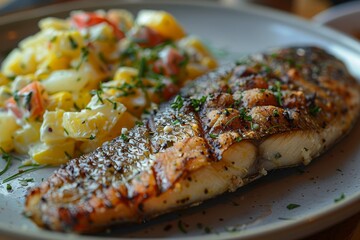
(256, 211)
(344, 17)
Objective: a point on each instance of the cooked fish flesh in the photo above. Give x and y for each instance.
(270, 111)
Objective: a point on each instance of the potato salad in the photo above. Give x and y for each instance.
(86, 79)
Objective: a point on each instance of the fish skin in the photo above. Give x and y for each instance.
(308, 102)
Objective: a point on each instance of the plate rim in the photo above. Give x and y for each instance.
(349, 205)
(336, 12)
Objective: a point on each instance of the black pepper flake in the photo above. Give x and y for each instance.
(207, 230)
(167, 227)
(206, 191)
(277, 155)
(141, 207)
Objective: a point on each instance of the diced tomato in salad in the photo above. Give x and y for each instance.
(28, 102)
(169, 91)
(87, 19)
(146, 37)
(170, 62)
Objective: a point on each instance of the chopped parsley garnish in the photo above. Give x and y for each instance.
(25, 181)
(139, 123)
(68, 155)
(73, 43)
(7, 157)
(314, 110)
(53, 39)
(292, 206)
(159, 87)
(113, 103)
(275, 113)
(124, 137)
(342, 197)
(102, 57)
(176, 122)
(98, 94)
(66, 131)
(92, 137)
(29, 165)
(8, 187)
(28, 97)
(181, 226)
(17, 98)
(290, 61)
(242, 61)
(84, 57)
(277, 92)
(21, 172)
(238, 139)
(231, 120)
(126, 89)
(178, 103)
(231, 229)
(244, 116)
(77, 107)
(274, 55)
(207, 230)
(142, 67)
(196, 103)
(213, 136)
(237, 103)
(266, 69)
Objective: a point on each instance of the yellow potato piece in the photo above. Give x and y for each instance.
(81, 99)
(194, 70)
(209, 62)
(53, 23)
(8, 126)
(3, 80)
(126, 120)
(52, 129)
(162, 22)
(83, 125)
(25, 136)
(66, 43)
(5, 93)
(53, 154)
(19, 62)
(61, 100)
(125, 74)
(196, 44)
(55, 62)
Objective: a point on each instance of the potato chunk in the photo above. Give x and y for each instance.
(162, 22)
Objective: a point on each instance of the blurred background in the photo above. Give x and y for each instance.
(304, 8)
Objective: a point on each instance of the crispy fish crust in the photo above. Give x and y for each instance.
(270, 111)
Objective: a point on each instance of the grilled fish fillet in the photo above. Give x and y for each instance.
(228, 128)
